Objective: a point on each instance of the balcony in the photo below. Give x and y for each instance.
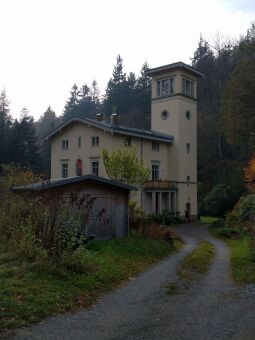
(161, 185)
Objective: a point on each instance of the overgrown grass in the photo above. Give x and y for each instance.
(242, 262)
(241, 258)
(192, 267)
(32, 291)
(208, 219)
(198, 261)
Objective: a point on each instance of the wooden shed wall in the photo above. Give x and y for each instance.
(108, 216)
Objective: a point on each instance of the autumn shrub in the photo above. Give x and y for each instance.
(241, 211)
(156, 232)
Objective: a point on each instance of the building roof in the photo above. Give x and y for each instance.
(54, 183)
(115, 128)
(179, 65)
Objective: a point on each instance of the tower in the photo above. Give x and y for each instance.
(174, 112)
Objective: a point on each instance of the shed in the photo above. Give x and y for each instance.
(106, 201)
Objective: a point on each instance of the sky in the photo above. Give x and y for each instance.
(48, 45)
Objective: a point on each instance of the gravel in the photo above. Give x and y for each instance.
(211, 308)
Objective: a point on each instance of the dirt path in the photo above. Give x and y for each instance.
(212, 308)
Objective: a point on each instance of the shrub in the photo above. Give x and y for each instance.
(242, 209)
(217, 201)
(228, 232)
(156, 232)
(166, 218)
(79, 261)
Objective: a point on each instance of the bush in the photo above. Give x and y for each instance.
(218, 201)
(241, 210)
(166, 218)
(229, 232)
(79, 261)
(156, 232)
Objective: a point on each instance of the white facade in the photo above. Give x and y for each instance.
(169, 150)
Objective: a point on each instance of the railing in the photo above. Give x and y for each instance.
(160, 185)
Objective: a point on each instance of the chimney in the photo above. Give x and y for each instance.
(100, 117)
(115, 119)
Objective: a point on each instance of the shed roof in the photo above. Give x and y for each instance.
(54, 183)
(119, 129)
(179, 65)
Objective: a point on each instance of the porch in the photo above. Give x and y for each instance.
(159, 201)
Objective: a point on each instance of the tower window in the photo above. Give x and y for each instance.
(155, 172)
(188, 180)
(165, 87)
(188, 87)
(188, 147)
(188, 115)
(158, 88)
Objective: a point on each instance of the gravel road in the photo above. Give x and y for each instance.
(211, 308)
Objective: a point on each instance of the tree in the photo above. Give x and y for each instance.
(24, 142)
(72, 103)
(5, 128)
(46, 123)
(123, 165)
(249, 172)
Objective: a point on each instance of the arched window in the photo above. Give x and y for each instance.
(78, 167)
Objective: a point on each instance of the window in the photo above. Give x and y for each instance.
(165, 87)
(188, 180)
(79, 142)
(188, 147)
(95, 167)
(155, 172)
(65, 144)
(64, 169)
(164, 114)
(127, 141)
(94, 141)
(188, 115)
(158, 88)
(155, 146)
(188, 87)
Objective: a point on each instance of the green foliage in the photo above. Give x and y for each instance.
(218, 201)
(79, 261)
(228, 232)
(123, 165)
(166, 218)
(30, 292)
(241, 210)
(69, 230)
(199, 260)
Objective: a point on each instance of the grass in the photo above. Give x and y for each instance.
(32, 291)
(192, 267)
(241, 259)
(199, 260)
(208, 219)
(242, 262)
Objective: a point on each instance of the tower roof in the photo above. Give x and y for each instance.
(175, 66)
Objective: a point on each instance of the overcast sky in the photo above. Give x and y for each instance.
(48, 45)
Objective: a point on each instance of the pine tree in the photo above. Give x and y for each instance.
(24, 142)
(5, 128)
